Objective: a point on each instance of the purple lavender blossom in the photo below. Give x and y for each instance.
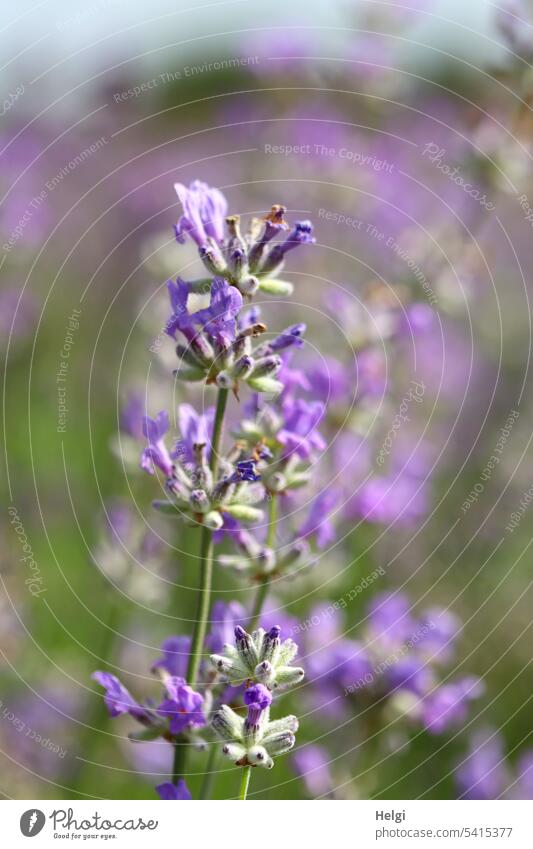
(219, 318)
(195, 429)
(156, 454)
(257, 699)
(301, 234)
(175, 658)
(183, 706)
(204, 211)
(299, 434)
(245, 471)
(118, 699)
(178, 791)
(180, 319)
(292, 336)
(258, 695)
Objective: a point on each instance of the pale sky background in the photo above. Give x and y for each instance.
(107, 31)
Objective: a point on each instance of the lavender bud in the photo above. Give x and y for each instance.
(264, 672)
(224, 380)
(281, 288)
(258, 756)
(186, 355)
(238, 264)
(202, 348)
(212, 259)
(249, 285)
(199, 501)
(242, 368)
(288, 676)
(227, 723)
(213, 520)
(281, 743)
(266, 366)
(234, 752)
(271, 644)
(245, 647)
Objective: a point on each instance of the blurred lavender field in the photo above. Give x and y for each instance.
(402, 567)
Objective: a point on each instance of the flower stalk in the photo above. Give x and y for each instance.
(245, 782)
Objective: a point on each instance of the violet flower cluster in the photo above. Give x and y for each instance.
(226, 489)
(217, 490)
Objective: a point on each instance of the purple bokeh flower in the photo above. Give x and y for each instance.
(175, 658)
(178, 791)
(318, 523)
(311, 763)
(483, 774)
(299, 434)
(224, 618)
(447, 706)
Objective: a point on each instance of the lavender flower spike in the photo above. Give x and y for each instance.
(254, 740)
(156, 453)
(260, 657)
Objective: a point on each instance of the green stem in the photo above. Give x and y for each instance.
(245, 782)
(210, 773)
(204, 590)
(206, 552)
(180, 753)
(263, 587)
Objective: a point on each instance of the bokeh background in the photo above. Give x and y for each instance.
(336, 111)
